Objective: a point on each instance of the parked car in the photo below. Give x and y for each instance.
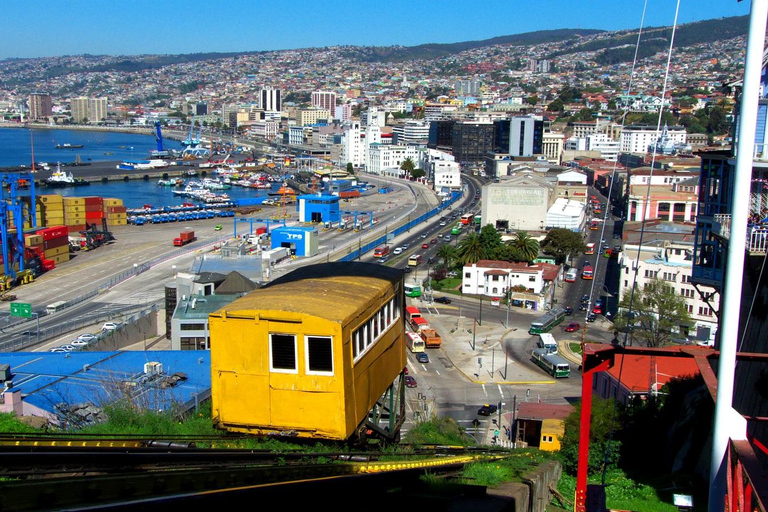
(573, 327)
(88, 337)
(568, 310)
(591, 317)
(383, 259)
(405, 246)
(78, 343)
(487, 410)
(422, 357)
(442, 223)
(407, 269)
(598, 309)
(58, 349)
(410, 382)
(68, 348)
(109, 326)
(443, 300)
(430, 261)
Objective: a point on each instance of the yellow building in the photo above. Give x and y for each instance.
(552, 432)
(311, 353)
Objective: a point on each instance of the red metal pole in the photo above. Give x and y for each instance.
(584, 424)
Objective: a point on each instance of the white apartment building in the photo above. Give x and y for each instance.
(438, 111)
(264, 129)
(411, 132)
(386, 158)
(637, 138)
(376, 117)
(295, 135)
(352, 148)
(609, 149)
(343, 112)
(552, 146)
(445, 174)
(671, 262)
(492, 279)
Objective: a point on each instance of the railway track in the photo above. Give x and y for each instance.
(100, 472)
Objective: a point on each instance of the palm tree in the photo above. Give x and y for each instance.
(408, 165)
(471, 249)
(525, 246)
(447, 253)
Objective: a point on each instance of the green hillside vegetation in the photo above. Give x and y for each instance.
(621, 46)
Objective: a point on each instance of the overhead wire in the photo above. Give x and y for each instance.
(645, 205)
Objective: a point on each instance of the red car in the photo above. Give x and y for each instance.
(573, 327)
(425, 246)
(598, 309)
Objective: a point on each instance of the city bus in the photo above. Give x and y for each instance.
(415, 342)
(547, 342)
(381, 251)
(467, 218)
(411, 312)
(412, 290)
(547, 321)
(590, 248)
(553, 364)
(414, 260)
(587, 272)
(419, 323)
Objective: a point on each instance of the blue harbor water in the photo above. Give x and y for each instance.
(16, 146)
(15, 150)
(137, 193)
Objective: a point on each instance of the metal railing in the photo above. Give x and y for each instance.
(757, 235)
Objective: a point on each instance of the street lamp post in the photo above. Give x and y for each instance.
(480, 321)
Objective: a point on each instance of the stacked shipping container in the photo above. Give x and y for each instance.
(115, 212)
(55, 245)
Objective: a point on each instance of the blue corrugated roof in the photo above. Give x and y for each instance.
(46, 379)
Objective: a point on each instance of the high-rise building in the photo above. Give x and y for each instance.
(269, 99)
(325, 100)
(471, 141)
(40, 106)
(91, 109)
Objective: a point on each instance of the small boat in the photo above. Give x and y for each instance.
(61, 179)
(68, 146)
(108, 153)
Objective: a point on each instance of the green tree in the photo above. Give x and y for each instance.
(562, 243)
(350, 168)
(470, 250)
(525, 246)
(657, 313)
(447, 253)
(556, 106)
(532, 100)
(418, 173)
(408, 166)
(603, 446)
(490, 238)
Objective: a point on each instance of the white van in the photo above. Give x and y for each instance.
(547, 342)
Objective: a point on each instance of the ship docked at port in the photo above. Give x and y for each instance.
(62, 179)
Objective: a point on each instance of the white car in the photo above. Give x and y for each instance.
(88, 337)
(78, 343)
(398, 250)
(109, 326)
(68, 348)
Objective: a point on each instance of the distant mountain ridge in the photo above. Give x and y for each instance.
(610, 46)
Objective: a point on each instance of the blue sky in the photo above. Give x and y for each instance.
(40, 28)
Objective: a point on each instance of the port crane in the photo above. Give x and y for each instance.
(13, 212)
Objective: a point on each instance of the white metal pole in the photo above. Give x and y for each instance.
(728, 424)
